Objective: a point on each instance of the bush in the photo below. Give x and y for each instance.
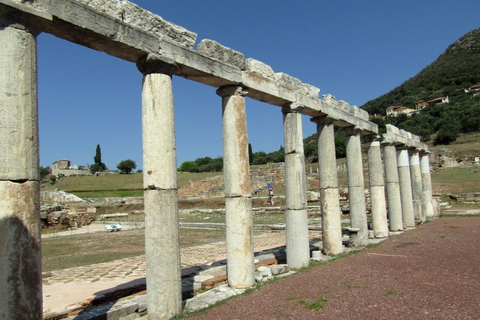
(126, 166)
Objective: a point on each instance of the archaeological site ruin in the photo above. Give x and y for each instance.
(161, 50)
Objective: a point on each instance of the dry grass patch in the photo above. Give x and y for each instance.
(82, 250)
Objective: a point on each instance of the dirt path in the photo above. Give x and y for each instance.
(431, 272)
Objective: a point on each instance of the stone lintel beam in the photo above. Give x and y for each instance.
(200, 67)
(20, 6)
(266, 89)
(402, 137)
(124, 30)
(120, 29)
(219, 52)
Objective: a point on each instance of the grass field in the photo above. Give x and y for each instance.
(87, 249)
(451, 180)
(456, 180)
(115, 185)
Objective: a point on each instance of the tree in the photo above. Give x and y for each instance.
(44, 171)
(126, 166)
(250, 154)
(99, 165)
(188, 166)
(94, 168)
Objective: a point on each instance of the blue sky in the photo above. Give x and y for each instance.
(355, 50)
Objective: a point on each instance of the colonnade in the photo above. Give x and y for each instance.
(407, 173)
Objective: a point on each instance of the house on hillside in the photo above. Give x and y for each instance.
(474, 90)
(419, 105)
(394, 111)
(376, 115)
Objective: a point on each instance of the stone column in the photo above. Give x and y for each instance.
(356, 188)
(162, 239)
(394, 202)
(377, 189)
(417, 190)
(329, 196)
(427, 205)
(405, 188)
(20, 249)
(298, 247)
(238, 198)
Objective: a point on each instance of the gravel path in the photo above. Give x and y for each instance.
(431, 272)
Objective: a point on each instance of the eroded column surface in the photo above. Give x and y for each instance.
(405, 188)
(329, 196)
(20, 249)
(427, 205)
(162, 240)
(417, 190)
(377, 189)
(238, 199)
(298, 248)
(356, 189)
(394, 202)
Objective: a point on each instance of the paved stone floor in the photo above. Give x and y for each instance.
(69, 286)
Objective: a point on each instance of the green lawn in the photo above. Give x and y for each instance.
(457, 175)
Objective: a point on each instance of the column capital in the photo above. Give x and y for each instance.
(294, 107)
(228, 91)
(373, 139)
(23, 17)
(413, 150)
(352, 131)
(388, 143)
(154, 63)
(323, 119)
(402, 147)
(424, 153)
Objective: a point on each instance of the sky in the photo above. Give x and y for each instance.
(354, 50)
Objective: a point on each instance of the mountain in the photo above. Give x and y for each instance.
(455, 70)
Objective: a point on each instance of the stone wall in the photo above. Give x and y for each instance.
(59, 196)
(273, 173)
(465, 197)
(70, 172)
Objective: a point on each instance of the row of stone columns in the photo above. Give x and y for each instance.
(20, 266)
(407, 183)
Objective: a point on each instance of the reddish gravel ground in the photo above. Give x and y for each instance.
(431, 272)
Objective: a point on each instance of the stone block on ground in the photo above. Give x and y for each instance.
(263, 274)
(279, 269)
(213, 296)
(317, 255)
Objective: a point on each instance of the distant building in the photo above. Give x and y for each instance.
(394, 111)
(65, 168)
(474, 90)
(419, 105)
(376, 115)
(61, 164)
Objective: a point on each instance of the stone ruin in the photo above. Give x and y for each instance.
(64, 218)
(162, 50)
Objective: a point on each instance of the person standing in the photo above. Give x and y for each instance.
(270, 194)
